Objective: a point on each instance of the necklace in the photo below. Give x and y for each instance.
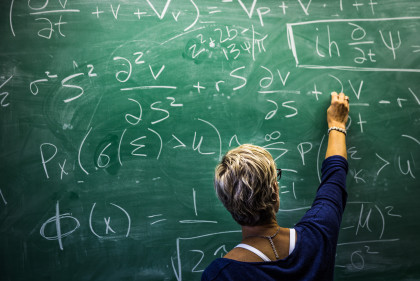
(270, 238)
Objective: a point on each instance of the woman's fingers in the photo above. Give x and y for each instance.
(339, 97)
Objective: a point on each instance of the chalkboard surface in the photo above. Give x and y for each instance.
(113, 115)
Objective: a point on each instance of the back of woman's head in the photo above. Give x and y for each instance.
(246, 183)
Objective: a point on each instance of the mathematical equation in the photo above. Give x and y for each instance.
(365, 47)
(192, 257)
(52, 14)
(53, 229)
(208, 77)
(55, 224)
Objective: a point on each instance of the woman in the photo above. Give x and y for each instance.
(246, 183)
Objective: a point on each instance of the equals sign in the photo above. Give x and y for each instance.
(213, 10)
(156, 216)
(416, 47)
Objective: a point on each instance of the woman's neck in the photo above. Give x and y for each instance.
(260, 230)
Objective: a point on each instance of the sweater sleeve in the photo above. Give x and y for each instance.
(328, 207)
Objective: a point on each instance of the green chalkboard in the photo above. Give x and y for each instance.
(113, 115)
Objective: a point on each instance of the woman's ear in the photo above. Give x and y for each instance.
(276, 187)
(276, 196)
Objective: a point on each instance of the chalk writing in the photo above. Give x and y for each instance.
(117, 113)
(4, 95)
(2, 198)
(57, 221)
(66, 83)
(392, 42)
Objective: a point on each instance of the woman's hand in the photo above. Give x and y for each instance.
(338, 112)
(337, 115)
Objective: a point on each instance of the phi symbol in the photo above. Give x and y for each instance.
(56, 219)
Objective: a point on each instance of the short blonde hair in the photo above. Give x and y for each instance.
(246, 183)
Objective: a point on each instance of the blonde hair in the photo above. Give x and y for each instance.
(246, 183)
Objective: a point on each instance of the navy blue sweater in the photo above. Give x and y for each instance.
(317, 233)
